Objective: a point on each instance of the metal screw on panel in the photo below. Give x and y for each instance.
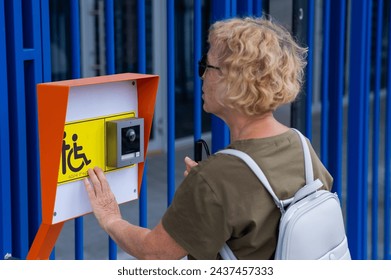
(55, 214)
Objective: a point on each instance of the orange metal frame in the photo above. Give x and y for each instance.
(52, 108)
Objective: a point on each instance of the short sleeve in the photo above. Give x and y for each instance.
(195, 219)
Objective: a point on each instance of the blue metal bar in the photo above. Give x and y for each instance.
(45, 58)
(356, 188)
(244, 8)
(143, 201)
(220, 133)
(141, 36)
(197, 42)
(28, 71)
(32, 74)
(32, 68)
(29, 54)
(250, 7)
(221, 9)
(365, 115)
(376, 131)
(75, 35)
(17, 118)
(45, 45)
(258, 8)
(387, 154)
(336, 90)
(5, 180)
(109, 26)
(170, 100)
(234, 7)
(110, 69)
(309, 73)
(76, 73)
(325, 82)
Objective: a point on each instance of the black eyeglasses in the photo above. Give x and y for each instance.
(203, 65)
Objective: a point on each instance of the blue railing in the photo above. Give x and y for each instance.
(336, 91)
(24, 40)
(5, 177)
(376, 130)
(25, 61)
(170, 100)
(387, 156)
(76, 74)
(357, 139)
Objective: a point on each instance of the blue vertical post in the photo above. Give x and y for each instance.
(110, 69)
(76, 74)
(356, 144)
(32, 75)
(45, 45)
(197, 37)
(75, 35)
(244, 8)
(336, 90)
(376, 129)
(250, 7)
(325, 82)
(24, 72)
(258, 8)
(220, 132)
(234, 6)
(365, 115)
(109, 40)
(17, 124)
(143, 201)
(5, 180)
(170, 100)
(309, 73)
(143, 210)
(46, 54)
(387, 155)
(141, 36)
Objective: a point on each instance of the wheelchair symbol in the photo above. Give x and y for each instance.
(73, 154)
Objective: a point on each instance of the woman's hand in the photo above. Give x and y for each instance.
(189, 164)
(103, 202)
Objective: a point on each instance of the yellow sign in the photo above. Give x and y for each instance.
(83, 147)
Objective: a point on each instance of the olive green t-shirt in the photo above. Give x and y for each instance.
(221, 200)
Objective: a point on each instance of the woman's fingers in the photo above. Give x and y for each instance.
(189, 165)
(96, 184)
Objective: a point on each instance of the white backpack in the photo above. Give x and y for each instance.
(311, 224)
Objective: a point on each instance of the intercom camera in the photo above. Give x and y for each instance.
(125, 142)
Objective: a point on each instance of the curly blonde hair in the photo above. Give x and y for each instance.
(260, 62)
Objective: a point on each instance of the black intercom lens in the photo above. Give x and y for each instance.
(131, 134)
(130, 140)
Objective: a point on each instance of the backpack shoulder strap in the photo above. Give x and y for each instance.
(258, 172)
(311, 184)
(309, 172)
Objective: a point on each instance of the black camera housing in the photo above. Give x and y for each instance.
(125, 142)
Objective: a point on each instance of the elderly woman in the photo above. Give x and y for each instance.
(252, 67)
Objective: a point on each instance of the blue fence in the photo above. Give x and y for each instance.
(354, 142)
